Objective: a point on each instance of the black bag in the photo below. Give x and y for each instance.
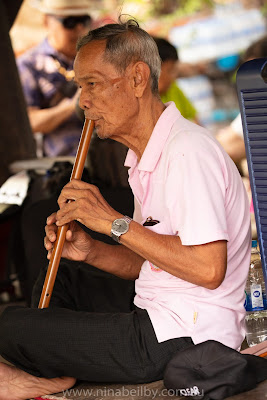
(213, 371)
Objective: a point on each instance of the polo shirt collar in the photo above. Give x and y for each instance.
(157, 140)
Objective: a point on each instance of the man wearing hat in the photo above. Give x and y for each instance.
(46, 73)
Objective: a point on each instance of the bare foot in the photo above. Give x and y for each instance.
(16, 384)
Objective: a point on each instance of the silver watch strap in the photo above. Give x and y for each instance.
(127, 219)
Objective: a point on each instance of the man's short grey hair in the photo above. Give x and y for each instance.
(127, 43)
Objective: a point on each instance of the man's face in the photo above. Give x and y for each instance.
(63, 39)
(107, 95)
(167, 76)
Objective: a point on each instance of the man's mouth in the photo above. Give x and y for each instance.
(91, 117)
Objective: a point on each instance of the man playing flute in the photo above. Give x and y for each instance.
(187, 247)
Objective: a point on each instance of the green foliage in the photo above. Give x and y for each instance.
(189, 7)
(264, 10)
(180, 8)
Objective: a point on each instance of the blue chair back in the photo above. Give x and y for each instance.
(252, 95)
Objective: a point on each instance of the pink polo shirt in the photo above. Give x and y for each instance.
(186, 181)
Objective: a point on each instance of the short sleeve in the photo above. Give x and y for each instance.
(195, 197)
(29, 83)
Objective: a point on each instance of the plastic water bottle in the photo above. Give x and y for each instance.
(256, 303)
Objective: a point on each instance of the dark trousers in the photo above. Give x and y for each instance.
(91, 331)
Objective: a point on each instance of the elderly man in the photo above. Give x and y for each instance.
(187, 248)
(46, 73)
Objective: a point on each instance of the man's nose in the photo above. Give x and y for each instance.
(84, 102)
(80, 29)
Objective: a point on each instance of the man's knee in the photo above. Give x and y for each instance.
(18, 329)
(14, 328)
(20, 338)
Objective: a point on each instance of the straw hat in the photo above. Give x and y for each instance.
(62, 7)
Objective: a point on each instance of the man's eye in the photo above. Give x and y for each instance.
(91, 83)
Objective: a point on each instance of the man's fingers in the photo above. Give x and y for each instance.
(64, 215)
(76, 189)
(69, 235)
(51, 219)
(51, 232)
(70, 194)
(51, 237)
(49, 253)
(48, 244)
(78, 184)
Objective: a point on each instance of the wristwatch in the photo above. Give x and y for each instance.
(119, 227)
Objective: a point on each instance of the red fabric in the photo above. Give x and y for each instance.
(42, 398)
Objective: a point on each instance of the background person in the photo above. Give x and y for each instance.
(188, 254)
(46, 73)
(168, 88)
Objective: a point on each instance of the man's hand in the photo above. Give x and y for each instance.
(83, 202)
(78, 244)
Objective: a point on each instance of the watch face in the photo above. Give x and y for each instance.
(120, 226)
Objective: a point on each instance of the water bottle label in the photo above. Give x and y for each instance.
(256, 296)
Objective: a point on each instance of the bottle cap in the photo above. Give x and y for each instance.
(254, 243)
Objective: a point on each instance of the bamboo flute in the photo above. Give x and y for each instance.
(62, 230)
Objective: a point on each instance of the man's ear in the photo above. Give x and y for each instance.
(140, 77)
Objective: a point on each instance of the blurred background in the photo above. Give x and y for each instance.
(210, 36)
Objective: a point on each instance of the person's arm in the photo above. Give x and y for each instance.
(203, 265)
(42, 120)
(232, 143)
(117, 260)
(47, 119)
